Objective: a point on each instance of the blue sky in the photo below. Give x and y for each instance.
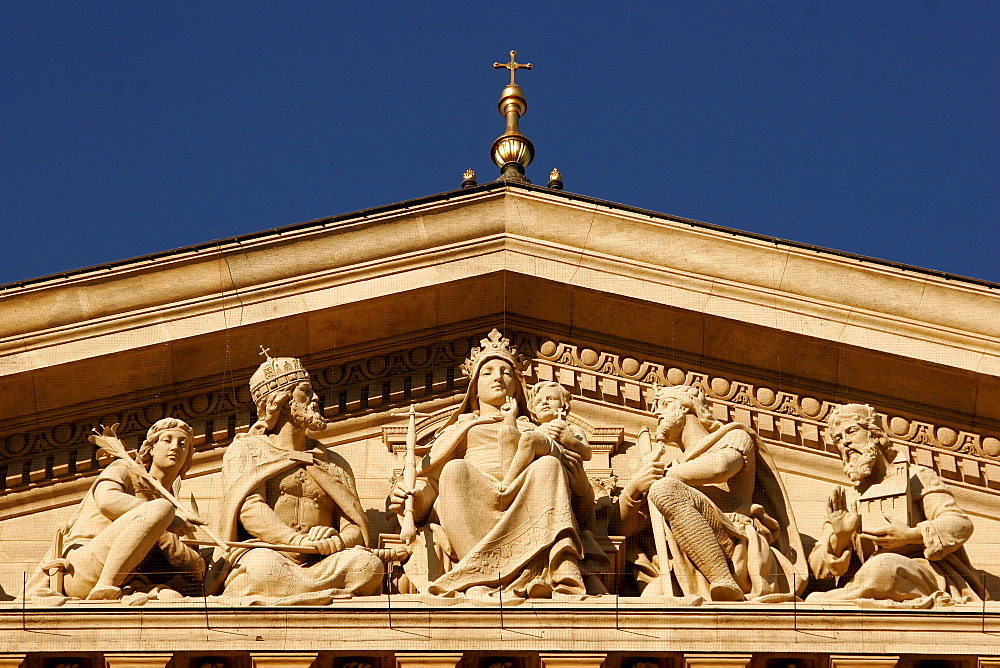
(130, 128)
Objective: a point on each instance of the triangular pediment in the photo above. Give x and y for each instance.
(383, 306)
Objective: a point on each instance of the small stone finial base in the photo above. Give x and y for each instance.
(469, 179)
(513, 172)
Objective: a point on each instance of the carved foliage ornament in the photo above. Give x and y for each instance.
(757, 397)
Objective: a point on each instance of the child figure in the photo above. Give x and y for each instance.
(548, 403)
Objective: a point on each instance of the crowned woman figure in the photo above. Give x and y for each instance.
(482, 538)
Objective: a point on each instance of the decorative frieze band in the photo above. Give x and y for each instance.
(48, 453)
(787, 418)
(41, 454)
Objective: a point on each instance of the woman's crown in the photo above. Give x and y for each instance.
(494, 346)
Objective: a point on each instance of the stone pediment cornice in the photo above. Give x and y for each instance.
(535, 232)
(630, 626)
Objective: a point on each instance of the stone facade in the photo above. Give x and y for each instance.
(385, 310)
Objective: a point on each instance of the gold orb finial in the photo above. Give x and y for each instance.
(512, 151)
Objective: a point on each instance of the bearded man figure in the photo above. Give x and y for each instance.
(283, 489)
(725, 529)
(896, 537)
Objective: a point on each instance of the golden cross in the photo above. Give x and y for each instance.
(512, 66)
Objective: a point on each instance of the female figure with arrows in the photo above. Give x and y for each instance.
(125, 531)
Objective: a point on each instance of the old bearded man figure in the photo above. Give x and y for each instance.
(726, 531)
(283, 489)
(897, 536)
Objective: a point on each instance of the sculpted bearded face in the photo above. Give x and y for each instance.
(670, 419)
(496, 382)
(859, 450)
(304, 408)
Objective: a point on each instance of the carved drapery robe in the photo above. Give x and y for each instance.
(276, 496)
(480, 540)
(911, 575)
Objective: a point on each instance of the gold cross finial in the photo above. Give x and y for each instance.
(266, 352)
(512, 66)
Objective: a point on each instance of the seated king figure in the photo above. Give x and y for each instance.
(284, 489)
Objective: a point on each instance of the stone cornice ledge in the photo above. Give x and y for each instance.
(372, 625)
(686, 246)
(765, 306)
(658, 259)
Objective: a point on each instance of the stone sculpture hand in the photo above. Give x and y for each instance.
(184, 526)
(893, 535)
(320, 532)
(397, 499)
(509, 410)
(572, 461)
(843, 518)
(553, 429)
(325, 539)
(644, 478)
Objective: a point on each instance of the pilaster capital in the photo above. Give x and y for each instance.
(863, 661)
(428, 659)
(573, 660)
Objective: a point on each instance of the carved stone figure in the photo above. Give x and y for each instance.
(548, 403)
(295, 497)
(722, 528)
(478, 540)
(897, 536)
(124, 535)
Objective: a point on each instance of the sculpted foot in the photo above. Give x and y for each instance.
(726, 591)
(102, 592)
(539, 589)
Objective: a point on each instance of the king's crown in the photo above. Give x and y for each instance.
(274, 374)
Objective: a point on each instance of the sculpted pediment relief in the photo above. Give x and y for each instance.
(536, 470)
